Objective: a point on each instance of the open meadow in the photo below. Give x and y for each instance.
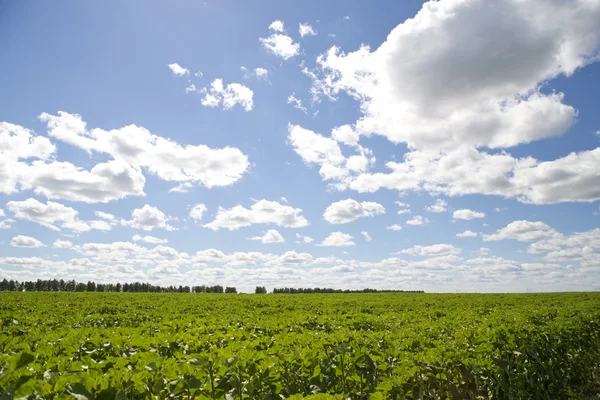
(379, 346)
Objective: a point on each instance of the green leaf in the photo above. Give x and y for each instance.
(25, 359)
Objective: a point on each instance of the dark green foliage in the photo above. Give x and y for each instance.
(358, 346)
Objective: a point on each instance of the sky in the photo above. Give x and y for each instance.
(445, 146)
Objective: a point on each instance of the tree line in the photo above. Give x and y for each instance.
(55, 285)
(61, 285)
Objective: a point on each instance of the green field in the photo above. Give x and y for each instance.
(379, 346)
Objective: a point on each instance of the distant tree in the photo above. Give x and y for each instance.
(260, 290)
(230, 289)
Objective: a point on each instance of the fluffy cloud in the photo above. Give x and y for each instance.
(523, 231)
(349, 210)
(132, 148)
(62, 244)
(25, 241)
(431, 100)
(417, 220)
(303, 239)
(227, 96)
(409, 101)
(466, 234)
(438, 207)
(279, 43)
(394, 227)
(404, 208)
(261, 73)
(178, 70)
(197, 211)
(277, 26)
(434, 250)
(316, 149)
(366, 235)
(338, 239)
(261, 212)
(306, 29)
(271, 236)
(149, 239)
(467, 214)
(148, 218)
(52, 213)
(345, 134)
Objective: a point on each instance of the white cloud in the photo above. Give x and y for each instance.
(149, 239)
(281, 45)
(199, 74)
(467, 214)
(182, 188)
(106, 216)
(410, 100)
(227, 96)
(148, 218)
(417, 220)
(394, 227)
(303, 239)
(306, 29)
(261, 212)
(62, 244)
(271, 236)
(338, 239)
(132, 147)
(348, 210)
(296, 102)
(346, 18)
(466, 234)
(197, 211)
(25, 241)
(434, 250)
(277, 26)
(368, 237)
(523, 231)
(438, 207)
(317, 149)
(53, 213)
(178, 70)
(261, 73)
(345, 134)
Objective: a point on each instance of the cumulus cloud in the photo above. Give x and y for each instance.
(277, 26)
(197, 211)
(438, 207)
(345, 134)
(466, 234)
(178, 70)
(261, 73)
(316, 149)
(261, 212)
(523, 231)
(62, 244)
(149, 239)
(338, 239)
(279, 43)
(434, 250)
(417, 220)
(467, 214)
(303, 239)
(271, 236)
(344, 211)
(306, 30)
(227, 96)
(25, 241)
(51, 214)
(366, 235)
(446, 125)
(148, 218)
(132, 149)
(412, 101)
(394, 227)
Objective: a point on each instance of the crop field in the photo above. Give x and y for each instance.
(235, 346)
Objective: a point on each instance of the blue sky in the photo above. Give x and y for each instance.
(108, 108)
